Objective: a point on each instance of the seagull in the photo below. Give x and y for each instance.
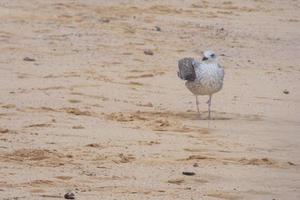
(205, 78)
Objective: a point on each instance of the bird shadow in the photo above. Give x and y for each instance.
(215, 116)
(223, 116)
(204, 116)
(185, 115)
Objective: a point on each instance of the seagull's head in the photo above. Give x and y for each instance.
(209, 56)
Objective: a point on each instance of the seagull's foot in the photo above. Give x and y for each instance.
(208, 102)
(199, 115)
(209, 116)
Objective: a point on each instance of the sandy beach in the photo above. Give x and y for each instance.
(90, 101)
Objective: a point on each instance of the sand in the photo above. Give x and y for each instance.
(90, 101)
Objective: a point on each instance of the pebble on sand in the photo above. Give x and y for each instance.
(69, 195)
(4, 130)
(286, 91)
(189, 173)
(148, 52)
(29, 59)
(157, 28)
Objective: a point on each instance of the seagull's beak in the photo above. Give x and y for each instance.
(204, 58)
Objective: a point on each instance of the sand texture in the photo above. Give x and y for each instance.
(90, 101)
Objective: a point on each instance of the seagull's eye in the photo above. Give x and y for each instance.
(212, 55)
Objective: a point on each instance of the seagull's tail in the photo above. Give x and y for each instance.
(186, 69)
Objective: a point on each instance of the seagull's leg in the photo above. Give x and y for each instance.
(197, 103)
(209, 104)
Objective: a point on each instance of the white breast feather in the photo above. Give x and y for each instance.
(209, 79)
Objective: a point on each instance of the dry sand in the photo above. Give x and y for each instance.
(84, 109)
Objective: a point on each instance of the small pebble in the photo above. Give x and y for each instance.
(195, 165)
(189, 173)
(4, 130)
(69, 195)
(291, 163)
(28, 59)
(286, 91)
(104, 20)
(157, 28)
(148, 52)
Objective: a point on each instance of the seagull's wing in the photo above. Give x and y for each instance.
(186, 69)
(221, 72)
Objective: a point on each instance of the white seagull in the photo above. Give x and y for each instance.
(204, 78)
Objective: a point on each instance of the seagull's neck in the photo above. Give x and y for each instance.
(211, 62)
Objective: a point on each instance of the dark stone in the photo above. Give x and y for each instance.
(157, 28)
(286, 91)
(29, 59)
(148, 52)
(69, 195)
(189, 173)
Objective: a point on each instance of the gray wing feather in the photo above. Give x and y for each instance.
(221, 72)
(186, 69)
